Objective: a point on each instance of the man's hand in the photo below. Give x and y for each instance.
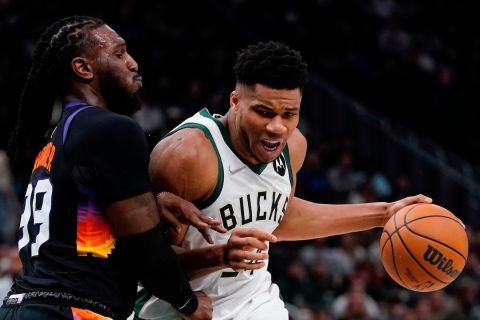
(178, 211)
(395, 206)
(204, 310)
(243, 249)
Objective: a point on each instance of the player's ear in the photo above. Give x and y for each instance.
(82, 68)
(234, 100)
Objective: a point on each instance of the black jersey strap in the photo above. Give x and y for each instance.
(70, 118)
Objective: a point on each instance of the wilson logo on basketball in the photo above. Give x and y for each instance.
(436, 258)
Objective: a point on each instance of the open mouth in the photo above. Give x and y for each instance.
(270, 145)
(138, 79)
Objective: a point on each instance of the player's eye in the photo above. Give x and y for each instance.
(264, 113)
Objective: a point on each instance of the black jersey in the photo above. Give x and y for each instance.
(66, 240)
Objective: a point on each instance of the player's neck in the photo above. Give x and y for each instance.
(88, 95)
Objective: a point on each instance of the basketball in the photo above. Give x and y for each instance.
(424, 247)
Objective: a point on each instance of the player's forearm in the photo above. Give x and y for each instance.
(307, 220)
(199, 262)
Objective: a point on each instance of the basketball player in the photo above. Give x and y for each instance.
(241, 168)
(90, 228)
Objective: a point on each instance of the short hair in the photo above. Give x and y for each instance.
(272, 64)
(47, 80)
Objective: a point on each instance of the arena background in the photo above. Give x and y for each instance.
(389, 111)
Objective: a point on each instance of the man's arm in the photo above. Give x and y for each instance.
(308, 220)
(329, 219)
(111, 156)
(136, 222)
(133, 215)
(185, 164)
(241, 247)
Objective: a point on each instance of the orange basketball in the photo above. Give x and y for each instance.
(424, 247)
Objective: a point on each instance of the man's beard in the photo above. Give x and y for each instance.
(117, 98)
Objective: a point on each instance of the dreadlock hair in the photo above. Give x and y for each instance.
(272, 64)
(47, 80)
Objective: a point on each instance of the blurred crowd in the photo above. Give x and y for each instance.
(405, 59)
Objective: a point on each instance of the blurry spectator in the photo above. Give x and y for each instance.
(322, 285)
(394, 40)
(380, 183)
(410, 315)
(10, 266)
(376, 187)
(402, 187)
(364, 193)
(343, 176)
(465, 290)
(175, 115)
(295, 285)
(356, 304)
(10, 263)
(9, 206)
(423, 309)
(339, 259)
(311, 180)
(321, 314)
(303, 314)
(314, 251)
(153, 122)
(152, 119)
(444, 306)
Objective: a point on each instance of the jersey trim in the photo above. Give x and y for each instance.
(69, 120)
(286, 154)
(218, 188)
(72, 104)
(258, 169)
(142, 297)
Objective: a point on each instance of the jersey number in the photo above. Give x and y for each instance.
(38, 202)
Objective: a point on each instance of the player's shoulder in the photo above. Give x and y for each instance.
(96, 129)
(188, 146)
(97, 122)
(184, 158)
(102, 119)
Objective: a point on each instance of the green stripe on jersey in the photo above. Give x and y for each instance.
(286, 154)
(142, 297)
(218, 188)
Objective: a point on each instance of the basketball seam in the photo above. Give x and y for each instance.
(412, 256)
(434, 240)
(437, 216)
(395, 264)
(388, 239)
(397, 230)
(393, 252)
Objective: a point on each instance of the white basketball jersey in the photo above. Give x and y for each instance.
(245, 196)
